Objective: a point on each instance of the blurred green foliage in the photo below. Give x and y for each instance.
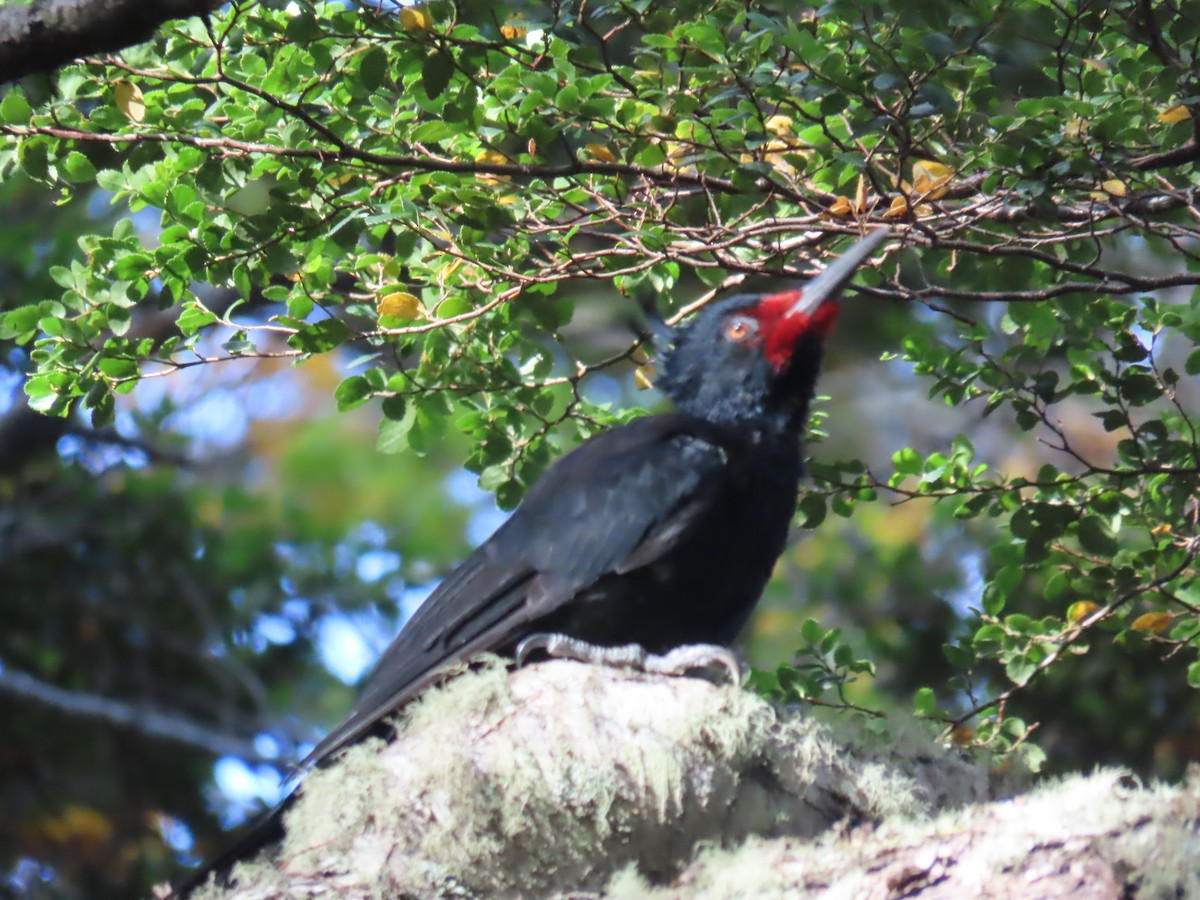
(446, 216)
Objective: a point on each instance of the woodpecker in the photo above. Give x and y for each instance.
(648, 545)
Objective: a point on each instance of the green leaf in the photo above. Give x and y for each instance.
(1096, 537)
(104, 410)
(118, 366)
(812, 509)
(436, 73)
(373, 68)
(353, 391)
(1192, 365)
(20, 323)
(1019, 669)
(14, 108)
(811, 631)
(320, 337)
(395, 407)
(957, 656)
(939, 45)
(78, 168)
(925, 702)
(394, 432)
(193, 318)
(44, 398)
(994, 600)
(908, 461)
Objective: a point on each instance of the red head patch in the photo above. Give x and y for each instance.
(781, 329)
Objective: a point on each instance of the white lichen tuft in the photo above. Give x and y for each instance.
(563, 778)
(1082, 836)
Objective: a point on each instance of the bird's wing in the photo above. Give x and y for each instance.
(614, 504)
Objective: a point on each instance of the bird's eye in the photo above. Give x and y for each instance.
(739, 329)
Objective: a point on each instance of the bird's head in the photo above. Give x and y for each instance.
(753, 359)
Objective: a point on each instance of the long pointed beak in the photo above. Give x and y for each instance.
(830, 282)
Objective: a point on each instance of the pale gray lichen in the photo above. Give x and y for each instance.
(558, 775)
(1082, 836)
(564, 778)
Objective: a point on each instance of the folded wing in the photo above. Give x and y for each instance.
(615, 504)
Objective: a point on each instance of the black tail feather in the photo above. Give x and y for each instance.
(266, 831)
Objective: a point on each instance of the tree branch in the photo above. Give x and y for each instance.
(564, 779)
(47, 34)
(130, 716)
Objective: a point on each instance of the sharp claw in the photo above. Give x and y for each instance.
(530, 645)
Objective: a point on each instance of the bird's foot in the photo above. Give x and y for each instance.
(679, 661)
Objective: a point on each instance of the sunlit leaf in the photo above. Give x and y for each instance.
(1152, 622)
(129, 100)
(399, 304)
(897, 209)
(1080, 610)
(841, 207)
(930, 179)
(1176, 113)
(600, 152)
(415, 18)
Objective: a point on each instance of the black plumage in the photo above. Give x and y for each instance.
(662, 532)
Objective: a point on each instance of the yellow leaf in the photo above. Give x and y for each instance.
(1152, 622)
(962, 736)
(400, 304)
(1173, 114)
(449, 269)
(930, 179)
(930, 190)
(129, 100)
(643, 377)
(860, 195)
(600, 152)
(780, 125)
(78, 824)
(1080, 610)
(1160, 529)
(923, 211)
(841, 207)
(677, 154)
(789, 147)
(512, 32)
(928, 168)
(1115, 187)
(415, 18)
(495, 158)
(898, 208)
(1076, 127)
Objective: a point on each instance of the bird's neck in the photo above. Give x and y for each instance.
(749, 416)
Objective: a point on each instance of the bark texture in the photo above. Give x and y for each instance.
(46, 34)
(563, 779)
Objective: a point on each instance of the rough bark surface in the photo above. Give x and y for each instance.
(45, 34)
(564, 779)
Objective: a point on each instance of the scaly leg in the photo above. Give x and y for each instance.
(678, 661)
